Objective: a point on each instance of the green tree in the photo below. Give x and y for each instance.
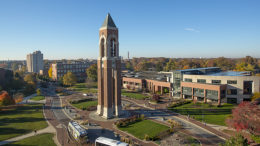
(92, 72)
(237, 140)
(69, 79)
(128, 65)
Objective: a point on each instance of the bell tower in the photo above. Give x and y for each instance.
(109, 71)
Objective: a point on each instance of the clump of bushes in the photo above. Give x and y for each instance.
(129, 121)
(179, 103)
(155, 98)
(79, 101)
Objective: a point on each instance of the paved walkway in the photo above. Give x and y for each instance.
(48, 129)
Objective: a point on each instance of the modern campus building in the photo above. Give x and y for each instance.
(147, 81)
(78, 68)
(201, 84)
(213, 84)
(35, 62)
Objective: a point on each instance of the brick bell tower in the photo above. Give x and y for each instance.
(109, 71)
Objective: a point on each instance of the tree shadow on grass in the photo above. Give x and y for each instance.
(7, 131)
(21, 110)
(7, 121)
(203, 111)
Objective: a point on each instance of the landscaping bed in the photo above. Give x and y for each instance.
(20, 120)
(134, 95)
(85, 104)
(205, 112)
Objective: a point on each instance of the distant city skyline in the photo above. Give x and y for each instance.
(63, 29)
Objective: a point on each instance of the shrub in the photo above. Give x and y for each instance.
(146, 137)
(5, 99)
(179, 103)
(256, 138)
(156, 98)
(127, 121)
(237, 140)
(38, 91)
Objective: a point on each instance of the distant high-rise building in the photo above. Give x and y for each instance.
(128, 55)
(35, 62)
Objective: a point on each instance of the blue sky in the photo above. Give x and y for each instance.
(147, 28)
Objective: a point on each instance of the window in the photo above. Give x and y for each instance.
(232, 91)
(232, 81)
(201, 81)
(216, 81)
(187, 80)
(247, 87)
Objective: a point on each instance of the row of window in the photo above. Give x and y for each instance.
(131, 83)
(212, 81)
(201, 91)
(68, 66)
(73, 70)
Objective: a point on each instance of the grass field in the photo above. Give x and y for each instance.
(139, 129)
(38, 98)
(85, 104)
(209, 113)
(134, 95)
(38, 140)
(85, 88)
(20, 120)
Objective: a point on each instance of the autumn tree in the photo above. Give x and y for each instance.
(255, 96)
(38, 91)
(237, 140)
(50, 72)
(5, 99)
(246, 116)
(92, 72)
(69, 79)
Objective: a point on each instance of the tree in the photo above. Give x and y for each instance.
(69, 79)
(14, 66)
(92, 72)
(170, 65)
(237, 140)
(255, 96)
(5, 99)
(246, 116)
(128, 65)
(50, 72)
(38, 91)
(30, 79)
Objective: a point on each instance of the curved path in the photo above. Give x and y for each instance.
(206, 137)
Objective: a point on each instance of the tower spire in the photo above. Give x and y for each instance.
(108, 22)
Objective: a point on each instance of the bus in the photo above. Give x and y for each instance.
(77, 131)
(103, 141)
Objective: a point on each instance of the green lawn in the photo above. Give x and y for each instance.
(139, 129)
(134, 95)
(38, 140)
(209, 113)
(21, 120)
(85, 104)
(38, 98)
(85, 88)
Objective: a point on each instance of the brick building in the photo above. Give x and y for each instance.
(77, 68)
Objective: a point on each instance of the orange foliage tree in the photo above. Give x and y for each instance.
(5, 99)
